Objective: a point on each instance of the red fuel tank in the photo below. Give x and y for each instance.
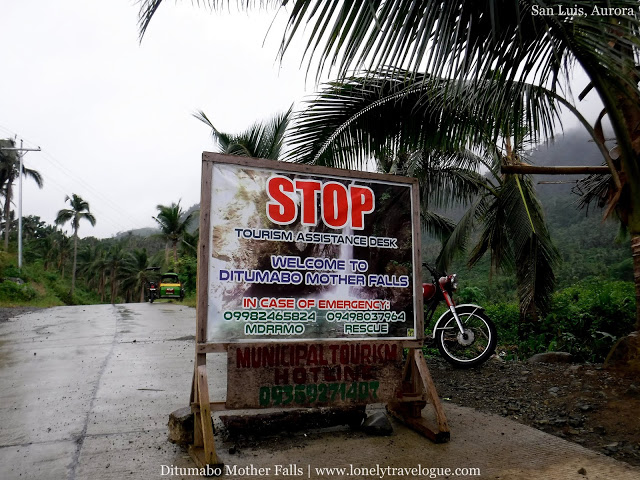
(428, 290)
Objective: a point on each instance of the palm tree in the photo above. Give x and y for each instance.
(466, 40)
(62, 248)
(9, 172)
(136, 273)
(173, 224)
(79, 210)
(261, 140)
(385, 117)
(116, 260)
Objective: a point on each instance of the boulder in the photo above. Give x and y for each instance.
(625, 354)
(181, 426)
(551, 357)
(377, 424)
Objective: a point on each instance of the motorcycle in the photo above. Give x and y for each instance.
(153, 291)
(464, 335)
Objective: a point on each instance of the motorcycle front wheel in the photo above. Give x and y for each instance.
(151, 298)
(472, 347)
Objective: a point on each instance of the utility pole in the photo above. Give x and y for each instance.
(21, 152)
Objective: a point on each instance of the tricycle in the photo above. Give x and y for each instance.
(169, 286)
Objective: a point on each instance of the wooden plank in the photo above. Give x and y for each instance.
(430, 390)
(198, 456)
(417, 262)
(303, 168)
(560, 170)
(210, 458)
(214, 406)
(198, 438)
(203, 253)
(419, 424)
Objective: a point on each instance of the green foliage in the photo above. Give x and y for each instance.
(505, 316)
(188, 273)
(585, 320)
(13, 292)
(588, 317)
(11, 271)
(471, 295)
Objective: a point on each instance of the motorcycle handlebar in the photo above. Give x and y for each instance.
(432, 270)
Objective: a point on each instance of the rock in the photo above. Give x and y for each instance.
(559, 421)
(551, 357)
(584, 407)
(181, 426)
(576, 421)
(600, 430)
(291, 420)
(633, 391)
(377, 424)
(554, 391)
(17, 280)
(572, 370)
(582, 471)
(611, 448)
(625, 354)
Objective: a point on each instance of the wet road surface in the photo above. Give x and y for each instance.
(85, 393)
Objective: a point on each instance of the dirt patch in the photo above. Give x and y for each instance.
(585, 404)
(10, 312)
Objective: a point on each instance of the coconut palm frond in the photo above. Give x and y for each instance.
(261, 140)
(387, 112)
(436, 224)
(458, 240)
(535, 275)
(457, 39)
(494, 236)
(148, 8)
(534, 253)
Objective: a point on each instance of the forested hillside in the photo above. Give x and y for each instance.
(593, 304)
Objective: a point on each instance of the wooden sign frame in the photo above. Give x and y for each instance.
(416, 387)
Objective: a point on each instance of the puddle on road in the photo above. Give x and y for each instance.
(4, 354)
(181, 339)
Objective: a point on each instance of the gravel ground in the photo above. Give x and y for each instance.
(7, 313)
(582, 403)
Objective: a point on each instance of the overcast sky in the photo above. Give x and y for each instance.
(114, 117)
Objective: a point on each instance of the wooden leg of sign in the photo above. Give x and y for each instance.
(203, 450)
(417, 389)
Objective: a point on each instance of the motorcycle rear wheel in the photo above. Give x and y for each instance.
(474, 347)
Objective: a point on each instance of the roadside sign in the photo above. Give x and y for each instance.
(300, 253)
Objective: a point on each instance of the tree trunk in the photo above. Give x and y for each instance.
(113, 287)
(75, 258)
(175, 256)
(635, 252)
(102, 284)
(7, 214)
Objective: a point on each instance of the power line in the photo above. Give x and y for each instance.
(61, 168)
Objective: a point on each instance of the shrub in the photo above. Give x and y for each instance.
(471, 295)
(12, 292)
(505, 316)
(587, 318)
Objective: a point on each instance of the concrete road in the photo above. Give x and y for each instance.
(85, 392)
